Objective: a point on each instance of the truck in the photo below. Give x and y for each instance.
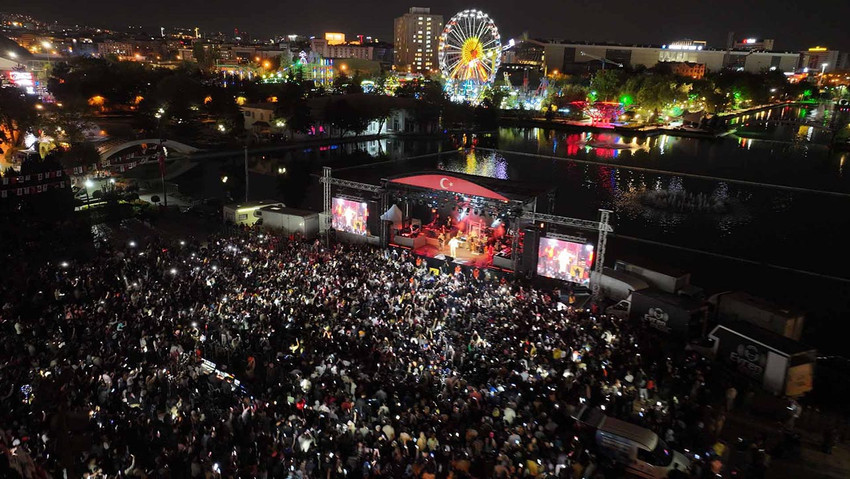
(640, 450)
(673, 314)
(740, 306)
(617, 285)
(780, 365)
(662, 277)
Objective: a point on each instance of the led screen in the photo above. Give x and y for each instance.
(349, 216)
(565, 260)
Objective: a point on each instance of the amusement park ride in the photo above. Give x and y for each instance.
(470, 53)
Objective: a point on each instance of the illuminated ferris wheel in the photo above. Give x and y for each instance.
(470, 51)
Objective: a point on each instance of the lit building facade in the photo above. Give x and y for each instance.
(329, 50)
(334, 38)
(417, 38)
(821, 59)
(568, 58)
(687, 69)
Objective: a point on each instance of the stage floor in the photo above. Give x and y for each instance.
(464, 256)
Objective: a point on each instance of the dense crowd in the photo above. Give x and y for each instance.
(251, 355)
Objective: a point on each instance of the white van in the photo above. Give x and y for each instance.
(642, 452)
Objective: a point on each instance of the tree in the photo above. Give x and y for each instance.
(342, 115)
(205, 55)
(378, 109)
(17, 116)
(606, 84)
(155, 199)
(79, 154)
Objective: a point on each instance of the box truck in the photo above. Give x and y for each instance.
(778, 364)
(617, 285)
(673, 314)
(740, 306)
(664, 278)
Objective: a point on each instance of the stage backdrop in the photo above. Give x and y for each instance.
(565, 260)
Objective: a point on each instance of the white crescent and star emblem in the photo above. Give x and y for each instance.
(443, 185)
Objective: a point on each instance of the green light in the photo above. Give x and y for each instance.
(626, 100)
(807, 93)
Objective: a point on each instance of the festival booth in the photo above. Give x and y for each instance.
(468, 220)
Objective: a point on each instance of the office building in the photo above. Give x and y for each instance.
(417, 37)
(823, 60)
(579, 58)
(752, 44)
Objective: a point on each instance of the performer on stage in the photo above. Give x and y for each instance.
(453, 244)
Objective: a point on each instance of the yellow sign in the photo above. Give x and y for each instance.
(334, 38)
(818, 49)
(799, 380)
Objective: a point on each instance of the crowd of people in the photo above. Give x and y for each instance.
(253, 355)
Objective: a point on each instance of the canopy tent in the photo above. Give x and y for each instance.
(393, 215)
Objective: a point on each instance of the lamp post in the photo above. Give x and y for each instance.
(88, 184)
(246, 173)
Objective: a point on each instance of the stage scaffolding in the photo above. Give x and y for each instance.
(602, 227)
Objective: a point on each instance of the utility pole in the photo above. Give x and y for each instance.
(162, 172)
(246, 173)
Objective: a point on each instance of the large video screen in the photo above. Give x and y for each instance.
(565, 260)
(349, 216)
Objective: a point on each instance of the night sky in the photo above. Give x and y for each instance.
(794, 24)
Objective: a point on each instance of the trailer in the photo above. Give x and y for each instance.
(246, 213)
(740, 306)
(617, 285)
(663, 277)
(673, 314)
(290, 220)
(780, 365)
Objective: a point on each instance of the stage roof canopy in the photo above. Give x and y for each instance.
(469, 185)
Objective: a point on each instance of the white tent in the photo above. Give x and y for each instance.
(394, 216)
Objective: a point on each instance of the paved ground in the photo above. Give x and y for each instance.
(812, 463)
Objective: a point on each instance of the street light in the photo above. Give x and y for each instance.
(88, 184)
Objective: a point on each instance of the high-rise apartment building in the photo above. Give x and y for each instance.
(417, 37)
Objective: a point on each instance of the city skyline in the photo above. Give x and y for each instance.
(781, 20)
